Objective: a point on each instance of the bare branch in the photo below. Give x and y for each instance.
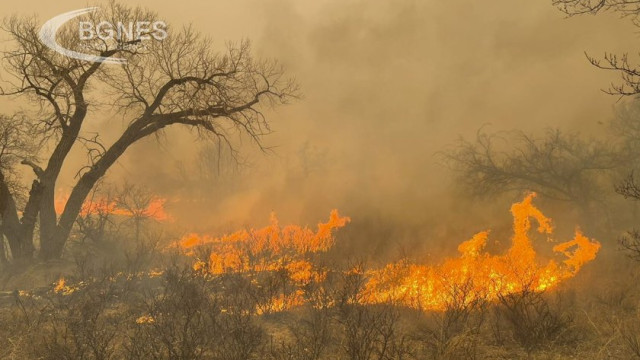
(36, 169)
(557, 165)
(578, 7)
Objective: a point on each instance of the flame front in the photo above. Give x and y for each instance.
(474, 276)
(271, 248)
(477, 275)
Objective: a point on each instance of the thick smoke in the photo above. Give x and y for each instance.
(386, 86)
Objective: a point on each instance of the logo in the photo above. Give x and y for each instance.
(124, 34)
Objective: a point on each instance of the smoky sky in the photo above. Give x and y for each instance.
(386, 85)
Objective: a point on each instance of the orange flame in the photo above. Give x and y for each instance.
(62, 288)
(474, 276)
(268, 249)
(477, 275)
(154, 210)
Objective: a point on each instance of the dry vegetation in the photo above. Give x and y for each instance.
(117, 304)
(112, 282)
(111, 313)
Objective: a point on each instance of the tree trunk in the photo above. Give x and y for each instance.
(46, 204)
(20, 243)
(3, 250)
(52, 244)
(29, 218)
(48, 225)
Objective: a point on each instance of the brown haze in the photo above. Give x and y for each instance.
(387, 84)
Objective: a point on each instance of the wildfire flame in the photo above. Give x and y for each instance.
(474, 276)
(477, 275)
(154, 209)
(271, 248)
(62, 288)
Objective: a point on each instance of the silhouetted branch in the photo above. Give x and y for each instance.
(578, 7)
(629, 188)
(556, 165)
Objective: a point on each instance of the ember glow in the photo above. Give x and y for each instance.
(153, 210)
(477, 275)
(62, 288)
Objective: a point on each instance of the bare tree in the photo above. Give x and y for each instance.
(16, 146)
(629, 72)
(577, 7)
(95, 222)
(557, 165)
(136, 202)
(630, 241)
(180, 81)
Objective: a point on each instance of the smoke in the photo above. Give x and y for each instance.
(386, 86)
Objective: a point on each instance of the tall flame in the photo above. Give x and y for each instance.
(474, 276)
(478, 275)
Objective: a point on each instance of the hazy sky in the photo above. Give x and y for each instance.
(386, 85)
